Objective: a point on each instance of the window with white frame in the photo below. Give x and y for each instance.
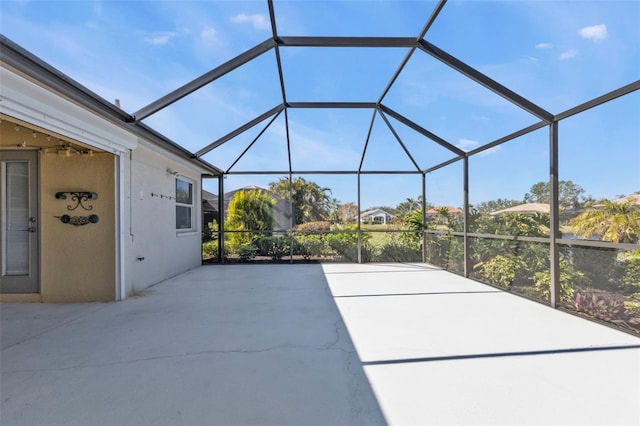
(184, 205)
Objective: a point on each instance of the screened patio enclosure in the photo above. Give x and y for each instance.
(423, 103)
(397, 111)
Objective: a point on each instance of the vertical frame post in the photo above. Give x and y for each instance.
(221, 219)
(293, 217)
(466, 217)
(359, 222)
(554, 227)
(424, 218)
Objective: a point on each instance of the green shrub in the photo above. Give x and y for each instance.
(210, 231)
(394, 252)
(309, 246)
(237, 240)
(501, 270)
(320, 226)
(210, 249)
(247, 253)
(597, 263)
(569, 280)
(367, 252)
(275, 247)
(630, 281)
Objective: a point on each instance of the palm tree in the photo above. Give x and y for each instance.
(310, 201)
(616, 222)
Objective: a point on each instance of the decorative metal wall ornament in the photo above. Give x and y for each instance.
(78, 220)
(79, 197)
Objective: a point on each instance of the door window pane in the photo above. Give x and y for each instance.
(17, 219)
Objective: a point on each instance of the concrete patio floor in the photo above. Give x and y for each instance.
(328, 344)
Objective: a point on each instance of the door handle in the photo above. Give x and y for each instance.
(29, 229)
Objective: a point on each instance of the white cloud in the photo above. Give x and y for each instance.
(544, 46)
(258, 21)
(594, 32)
(569, 54)
(159, 39)
(209, 36)
(467, 144)
(490, 151)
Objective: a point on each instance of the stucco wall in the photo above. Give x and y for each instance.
(149, 223)
(78, 263)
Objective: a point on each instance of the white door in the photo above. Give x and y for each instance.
(19, 231)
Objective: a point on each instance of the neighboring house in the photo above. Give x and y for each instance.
(529, 209)
(209, 207)
(282, 211)
(95, 206)
(378, 216)
(633, 200)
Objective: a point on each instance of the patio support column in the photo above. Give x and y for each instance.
(554, 226)
(466, 217)
(359, 230)
(424, 217)
(221, 219)
(293, 218)
(121, 288)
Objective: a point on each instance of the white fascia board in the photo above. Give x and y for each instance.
(22, 99)
(191, 165)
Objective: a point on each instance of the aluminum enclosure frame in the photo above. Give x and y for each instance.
(36, 69)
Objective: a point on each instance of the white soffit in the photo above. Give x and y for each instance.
(22, 99)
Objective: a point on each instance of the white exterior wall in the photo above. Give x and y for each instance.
(149, 222)
(146, 225)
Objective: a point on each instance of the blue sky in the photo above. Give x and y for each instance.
(555, 53)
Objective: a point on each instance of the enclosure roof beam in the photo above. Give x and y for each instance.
(366, 142)
(288, 135)
(239, 130)
(507, 138)
(625, 90)
(393, 131)
(437, 139)
(204, 79)
(335, 105)
(443, 164)
(426, 27)
(485, 81)
(254, 140)
(313, 41)
(274, 32)
(326, 172)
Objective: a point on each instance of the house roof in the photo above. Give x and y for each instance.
(374, 212)
(450, 210)
(27, 64)
(633, 199)
(527, 208)
(210, 200)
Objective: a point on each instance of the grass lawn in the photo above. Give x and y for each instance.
(379, 239)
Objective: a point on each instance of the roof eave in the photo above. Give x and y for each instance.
(27, 64)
